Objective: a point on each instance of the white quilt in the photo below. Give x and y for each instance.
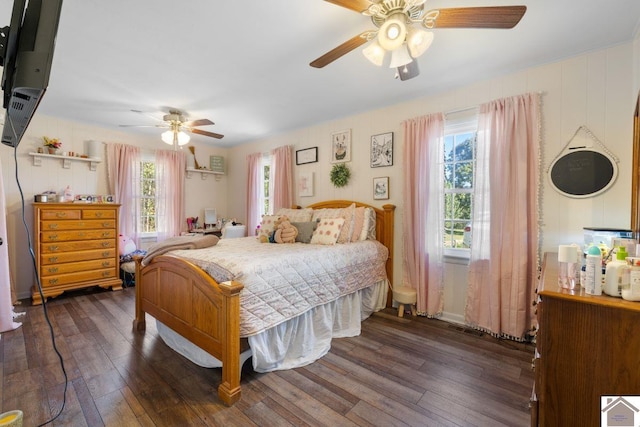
(282, 281)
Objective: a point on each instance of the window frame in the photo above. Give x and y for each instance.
(146, 158)
(459, 123)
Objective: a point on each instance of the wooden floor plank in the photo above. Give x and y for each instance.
(399, 372)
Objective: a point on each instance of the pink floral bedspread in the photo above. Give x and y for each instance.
(282, 281)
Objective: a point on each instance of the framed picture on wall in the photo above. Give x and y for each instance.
(382, 150)
(381, 188)
(305, 184)
(341, 146)
(307, 155)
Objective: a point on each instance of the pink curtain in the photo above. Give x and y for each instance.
(504, 247)
(282, 182)
(423, 199)
(254, 192)
(170, 182)
(123, 176)
(6, 305)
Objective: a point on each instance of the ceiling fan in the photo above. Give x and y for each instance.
(398, 29)
(178, 127)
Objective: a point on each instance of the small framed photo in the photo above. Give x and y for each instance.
(341, 146)
(381, 188)
(307, 155)
(382, 150)
(305, 184)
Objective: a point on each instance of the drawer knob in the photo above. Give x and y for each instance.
(106, 254)
(106, 224)
(61, 214)
(53, 281)
(106, 263)
(53, 237)
(106, 244)
(53, 226)
(52, 270)
(106, 234)
(53, 259)
(106, 273)
(98, 214)
(54, 248)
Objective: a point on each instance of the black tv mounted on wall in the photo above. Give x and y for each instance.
(26, 54)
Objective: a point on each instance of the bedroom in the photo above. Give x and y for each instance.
(597, 88)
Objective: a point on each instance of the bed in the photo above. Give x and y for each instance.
(183, 297)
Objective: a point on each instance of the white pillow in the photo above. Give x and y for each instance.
(327, 231)
(297, 215)
(267, 225)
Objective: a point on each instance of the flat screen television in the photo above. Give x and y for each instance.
(26, 54)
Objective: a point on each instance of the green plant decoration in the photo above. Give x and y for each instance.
(340, 175)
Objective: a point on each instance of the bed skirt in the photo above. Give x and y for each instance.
(298, 341)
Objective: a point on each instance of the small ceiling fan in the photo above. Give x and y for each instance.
(178, 127)
(398, 29)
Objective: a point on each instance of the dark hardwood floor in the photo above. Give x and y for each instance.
(398, 372)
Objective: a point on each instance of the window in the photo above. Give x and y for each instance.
(266, 184)
(459, 162)
(148, 201)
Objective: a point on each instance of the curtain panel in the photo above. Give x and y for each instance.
(170, 183)
(254, 192)
(123, 176)
(505, 221)
(423, 202)
(282, 182)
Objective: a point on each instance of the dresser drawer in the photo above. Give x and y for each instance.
(57, 247)
(72, 267)
(83, 276)
(65, 236)
(98, 213)
(94, 224)
(60, 214)
(62, 257)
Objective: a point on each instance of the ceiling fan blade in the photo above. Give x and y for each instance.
(479, 17)
(201, 122)
(355, 5)
(148, 115)
(143, 126)
(205, 133)
(409, 71)
(341, 50)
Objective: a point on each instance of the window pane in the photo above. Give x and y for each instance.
(464, 146)
(448, 175)
(449, 242)
(463, 173)
(448, 148)
(462, 206)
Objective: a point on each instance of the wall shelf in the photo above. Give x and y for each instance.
(203, 173)
(66, 160)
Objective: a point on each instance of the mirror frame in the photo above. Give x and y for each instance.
(635, 174)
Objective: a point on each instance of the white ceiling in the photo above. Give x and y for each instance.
(245, 65)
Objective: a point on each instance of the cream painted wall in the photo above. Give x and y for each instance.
(596, 89)
(200, 193)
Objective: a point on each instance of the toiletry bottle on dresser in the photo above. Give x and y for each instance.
(593, 271)
(614, 271)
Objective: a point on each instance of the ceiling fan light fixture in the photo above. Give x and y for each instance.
(393, 32)
(374, 53)
(400, 57)
(167, 137)
(183, 138)
(419, 41)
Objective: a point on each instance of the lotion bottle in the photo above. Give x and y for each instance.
(593, 271)
(614, 271)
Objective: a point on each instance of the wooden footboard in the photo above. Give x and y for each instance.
(186, 299)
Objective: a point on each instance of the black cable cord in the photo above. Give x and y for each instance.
(35, 269)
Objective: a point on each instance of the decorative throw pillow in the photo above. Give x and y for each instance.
(326, 213)
(327, 231)
(297, 215)
(369, 227)
(305, 230)
(358, 223)
(267, 225)
(347, 214)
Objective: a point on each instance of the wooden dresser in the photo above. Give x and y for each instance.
(76, 246)
(588, 346)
